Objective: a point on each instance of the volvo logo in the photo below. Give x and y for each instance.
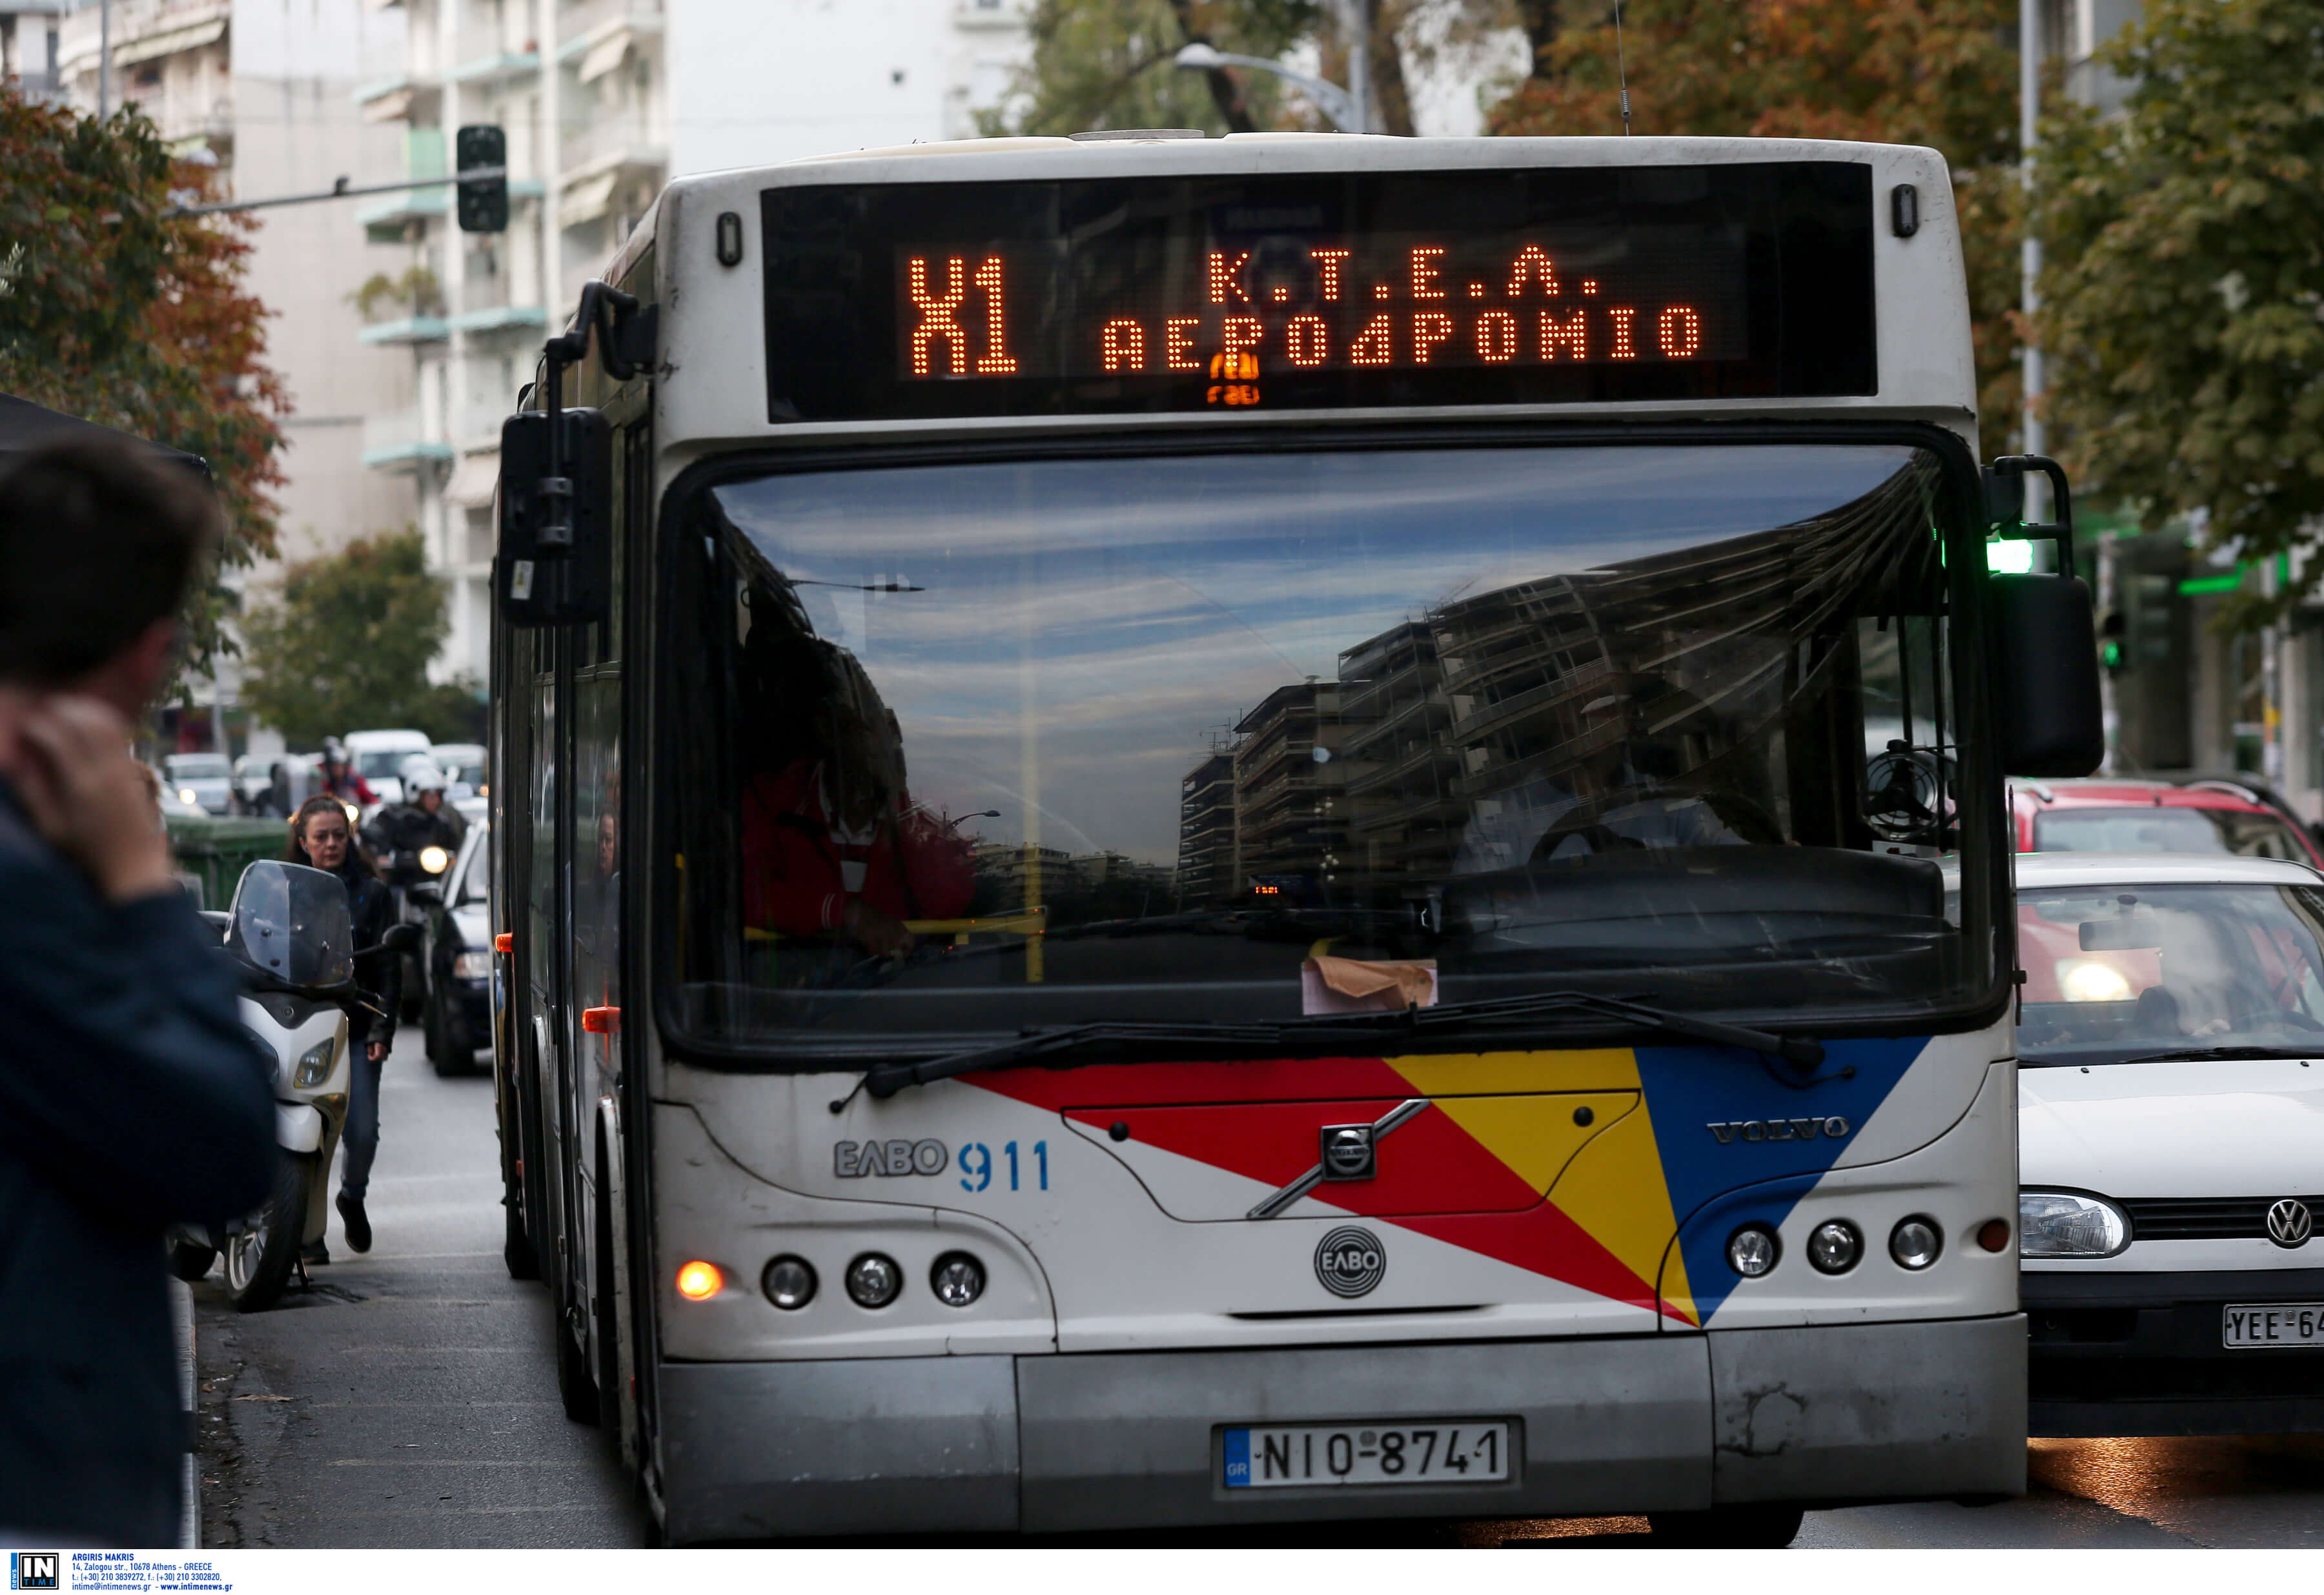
(2289, 1223)
(1780, 1129)
(1350, 1262)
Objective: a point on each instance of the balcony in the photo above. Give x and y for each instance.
(489, 318)
(500, 67)
(595, 48)
(406, 330)
(384, 221)
(400, 442)
(577, 18)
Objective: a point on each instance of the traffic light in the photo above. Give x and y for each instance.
(484, 202)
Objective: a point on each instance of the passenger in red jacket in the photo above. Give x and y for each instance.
(834, 849)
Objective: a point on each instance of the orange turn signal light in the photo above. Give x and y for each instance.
(505, 942)
(699, 1281)
(602, 1021)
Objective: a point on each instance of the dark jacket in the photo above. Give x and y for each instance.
(406, 827)
(372, 906)
(130, 1097)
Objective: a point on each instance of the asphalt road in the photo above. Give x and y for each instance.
(409, 1400)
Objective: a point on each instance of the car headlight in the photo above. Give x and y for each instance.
(2062, 1224)
(185, 795)
(474, 965)
(314, 1066)
(434, 860)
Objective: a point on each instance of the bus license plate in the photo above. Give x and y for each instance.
(2272, 1323)
(1373, 1453)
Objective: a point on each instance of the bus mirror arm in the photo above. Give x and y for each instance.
(610, 313)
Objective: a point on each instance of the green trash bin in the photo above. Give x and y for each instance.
(212, 853)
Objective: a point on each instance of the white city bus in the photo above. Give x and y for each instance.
(1203, 832)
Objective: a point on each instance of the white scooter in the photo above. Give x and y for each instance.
(290, 931)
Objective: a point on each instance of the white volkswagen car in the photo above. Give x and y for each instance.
(2171, 1101)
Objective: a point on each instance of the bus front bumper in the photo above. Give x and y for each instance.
(1054, 1444)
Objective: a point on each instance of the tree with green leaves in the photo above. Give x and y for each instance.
(116, 311)
(347, 647)
(1099, 64)
(2183, 298)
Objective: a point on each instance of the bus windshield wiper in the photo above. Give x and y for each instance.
(1534, 1004)
(885, 1080)
(1036, 1046)
(2195, 1054)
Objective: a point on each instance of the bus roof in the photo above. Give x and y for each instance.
(714, 331)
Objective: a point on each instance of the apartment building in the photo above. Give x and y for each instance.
(603, 102)
(261, 89)
(28, 44)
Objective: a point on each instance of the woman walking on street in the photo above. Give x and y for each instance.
(321, 838)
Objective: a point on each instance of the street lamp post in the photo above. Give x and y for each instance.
(1335, 102)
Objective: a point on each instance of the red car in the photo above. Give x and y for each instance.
(2126, 814)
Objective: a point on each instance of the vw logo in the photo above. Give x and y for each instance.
(2289, 1223)
(1350, 1262)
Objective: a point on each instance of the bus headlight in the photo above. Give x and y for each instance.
(873, 1280)
(434, 860)
(790, 1283)
(1915, 1242)
(1752, 1252)
(314, 1066)
(2066, 1224)
(1833, 1246)
(958, 1279)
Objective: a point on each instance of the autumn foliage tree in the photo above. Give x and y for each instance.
(1936, 72)
(116, 311)
(2183, 293)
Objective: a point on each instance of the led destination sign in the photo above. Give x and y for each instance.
(1667, 293)
(1545, 285)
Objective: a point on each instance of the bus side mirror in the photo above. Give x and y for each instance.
(2046, 707)
(537, 580)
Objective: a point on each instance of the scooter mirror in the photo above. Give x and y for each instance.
(291, 922)
(396, 938)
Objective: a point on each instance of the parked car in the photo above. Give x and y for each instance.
(253, 781)
(457, 1006)
(463, 764)
(2170, 1096)
(2136, 814)
(204, 780)
(378, 757)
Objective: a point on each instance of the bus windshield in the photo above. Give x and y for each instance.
(1072, 740)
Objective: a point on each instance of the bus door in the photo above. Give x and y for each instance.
(593, 1015)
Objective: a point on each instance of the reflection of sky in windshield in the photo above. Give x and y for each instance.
(1139, 607)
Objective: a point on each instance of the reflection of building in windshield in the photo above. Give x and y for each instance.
(1709, 695)
(1290, 825)
(1402, 769)
(1206, 831)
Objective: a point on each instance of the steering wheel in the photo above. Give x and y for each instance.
(1729, 807)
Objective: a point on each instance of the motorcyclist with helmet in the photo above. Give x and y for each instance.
(340, 779)
(415, 841)
(421, 821)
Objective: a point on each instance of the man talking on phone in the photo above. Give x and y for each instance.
(130, 1097)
